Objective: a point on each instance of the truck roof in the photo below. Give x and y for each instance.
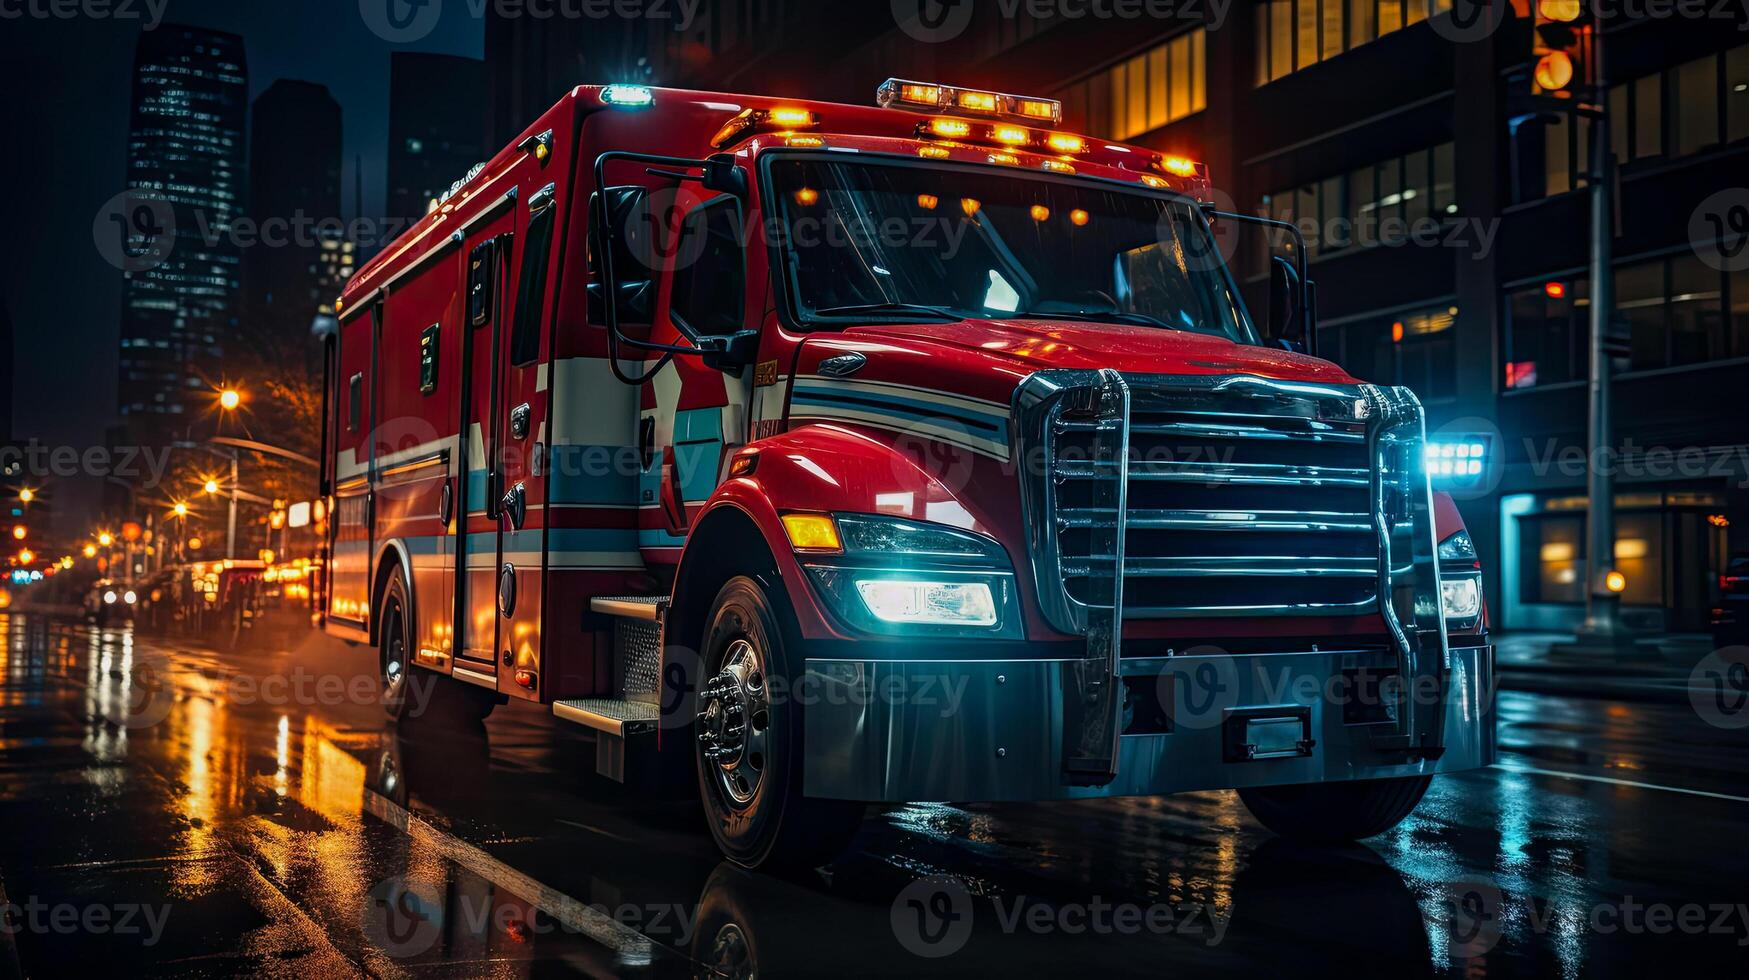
(701, 126)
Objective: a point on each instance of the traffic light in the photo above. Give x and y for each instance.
(1561, 47)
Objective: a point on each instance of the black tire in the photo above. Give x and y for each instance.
(752, 797)
(425, 696)
(1331, 812)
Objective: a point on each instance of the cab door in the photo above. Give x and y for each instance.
(698, 413)
(476, 511)
(522, 439)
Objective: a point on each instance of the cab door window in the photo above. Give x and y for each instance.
(710, 284)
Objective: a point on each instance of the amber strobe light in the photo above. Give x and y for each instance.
(781, 119)
(898, 93)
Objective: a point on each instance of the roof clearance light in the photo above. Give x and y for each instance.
(1011, 135)
(1043, 110)
(1057, 166)
(1066, 143)
(950, 128)
(628, 96)
(933, 153)
(1179, 166)
(748, 121)
(1153, 181)
(1007, 159)
(918, 93)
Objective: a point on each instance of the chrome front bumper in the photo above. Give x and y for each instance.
(968, 731)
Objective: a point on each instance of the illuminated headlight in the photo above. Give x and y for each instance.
(931, 603)
(109, 598)
(129, 597)
(915, 578)
(1462, 599)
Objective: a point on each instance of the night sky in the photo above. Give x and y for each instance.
(64, 115)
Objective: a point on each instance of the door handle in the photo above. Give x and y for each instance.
(515, 506)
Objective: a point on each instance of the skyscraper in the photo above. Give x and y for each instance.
(185, 155)
(437, 127)
(294, 198)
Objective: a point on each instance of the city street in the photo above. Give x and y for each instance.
(196, 813)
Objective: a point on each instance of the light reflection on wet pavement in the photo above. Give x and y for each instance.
(166, 809)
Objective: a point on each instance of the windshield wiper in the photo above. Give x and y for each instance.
(1107, 316)
(912, 310)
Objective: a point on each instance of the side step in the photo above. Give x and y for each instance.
(626, 723)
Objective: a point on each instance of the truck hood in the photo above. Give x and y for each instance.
(1037, 344)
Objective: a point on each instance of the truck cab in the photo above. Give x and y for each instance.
(830, 454)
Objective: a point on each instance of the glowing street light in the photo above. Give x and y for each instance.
(105, 539)
(26, 495)
(26, 557)
(19, 532)
(90, 551)
(211, 486)
(229, 399)
(181, 509)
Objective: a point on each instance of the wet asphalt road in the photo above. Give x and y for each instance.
(171, 810)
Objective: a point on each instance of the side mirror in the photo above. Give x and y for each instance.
(730, 353)
(723, 175)
(1286, 325)
(635, 291)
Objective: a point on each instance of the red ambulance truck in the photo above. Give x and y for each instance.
(830, 454)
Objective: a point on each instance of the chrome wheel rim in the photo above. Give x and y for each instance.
(734, 723)
(394, 656)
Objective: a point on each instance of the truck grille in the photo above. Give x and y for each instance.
(1243, 497)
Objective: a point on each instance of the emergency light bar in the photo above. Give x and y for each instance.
(780, 119)
(897, 93)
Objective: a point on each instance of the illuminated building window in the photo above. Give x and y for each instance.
(1153, 89)
(1296, 34)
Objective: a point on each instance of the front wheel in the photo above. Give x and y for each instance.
(747, 742)
(1330, 812)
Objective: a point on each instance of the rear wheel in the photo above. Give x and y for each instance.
(407, 695)
(747, 743)
(1335, 811)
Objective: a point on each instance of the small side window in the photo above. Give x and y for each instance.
(709, 293)
(531, 290)
(428, 358)
(354, 402)
(482, 282)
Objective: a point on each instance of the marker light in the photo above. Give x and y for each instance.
(1179, 166)
(749, 121)
(812, 532)
(1057, 167)
(952, 129)
(1066, 143)
(1011, 135)
(933, 153)
(628, 96)
(1043, 110)
(1615, 582)
(1041, 213)
(931, 603)
(1555, 290)
(1006, 159)
(928, 202)
(1154, 182)
(977, 101)
(1080, 217)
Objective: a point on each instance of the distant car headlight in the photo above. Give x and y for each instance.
(129, 597)
(109, 598)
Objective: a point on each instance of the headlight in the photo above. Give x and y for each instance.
(1458, 547)
(913, 578)
(109, 598)
(1462, 600)
(129, 597)
(934, 603)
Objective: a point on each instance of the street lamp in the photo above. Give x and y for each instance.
(229, 399)
(26, 557)
(26, 495)
(105, 539)
(90, 551)
(211, 487)
(19, 532)
(180, 510)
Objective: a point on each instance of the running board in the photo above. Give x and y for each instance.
(611, 717)
(622, 729)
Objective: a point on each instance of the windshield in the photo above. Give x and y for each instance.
(866, 240)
